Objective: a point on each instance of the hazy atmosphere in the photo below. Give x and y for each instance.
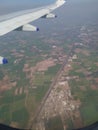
(74, 12)
(51, 79)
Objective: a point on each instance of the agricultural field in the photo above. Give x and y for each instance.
(84, 78)
(33, 65)
(27, 77)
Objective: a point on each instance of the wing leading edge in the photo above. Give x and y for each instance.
(21, 20)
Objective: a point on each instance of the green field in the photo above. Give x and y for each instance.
(20, 108)
(26, 49)
(81, 88)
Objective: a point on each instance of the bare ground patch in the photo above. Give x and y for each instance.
(5, 84)
(85, 52)
(94, 87)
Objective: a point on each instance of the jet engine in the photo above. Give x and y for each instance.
(28, 27)
(3, 60)
(50, 15)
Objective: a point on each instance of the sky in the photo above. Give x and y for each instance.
(31, 3)
(7, 6)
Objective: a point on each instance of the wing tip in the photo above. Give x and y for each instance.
(60, 2)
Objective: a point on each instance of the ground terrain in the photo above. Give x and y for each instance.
(51, 82)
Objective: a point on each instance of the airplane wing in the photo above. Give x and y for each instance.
(20, 20)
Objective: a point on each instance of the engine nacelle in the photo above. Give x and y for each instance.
(50, 15)
(3, 60)
(28, 27)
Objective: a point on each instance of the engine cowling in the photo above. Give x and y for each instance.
(50, 15)
(3, 60)
(28, 27)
